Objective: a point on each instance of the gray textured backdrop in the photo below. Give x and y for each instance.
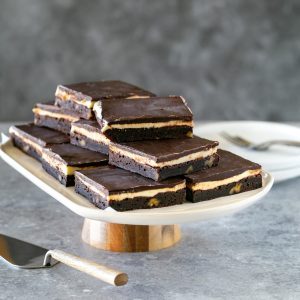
(232, 59)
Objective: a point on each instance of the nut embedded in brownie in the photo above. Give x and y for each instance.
(161, 159)
(31, 139)
(108, 186)
(233, 175)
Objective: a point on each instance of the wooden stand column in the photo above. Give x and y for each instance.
(129, 238)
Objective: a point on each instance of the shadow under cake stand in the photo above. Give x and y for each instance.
(131, 231)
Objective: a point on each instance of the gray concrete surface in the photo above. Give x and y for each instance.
(232, 59)
(251, 255)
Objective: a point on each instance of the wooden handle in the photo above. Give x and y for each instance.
(129, 238)
(103, 273)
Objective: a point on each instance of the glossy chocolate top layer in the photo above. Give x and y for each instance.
(167, 149)
(103, 90)
(112, 179)
(76, 156)
(40, 135)
(87, 124)
(54, 109)
(153, 109)
(229, 165)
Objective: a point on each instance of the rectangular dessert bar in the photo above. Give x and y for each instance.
(80, 97)
(233, 175)
(87, 134)
(124, 120)
(31, 139)
(53, 117)
(108, 186)
(61, 161)
(161, 159)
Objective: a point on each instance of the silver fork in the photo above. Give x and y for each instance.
(242, 142)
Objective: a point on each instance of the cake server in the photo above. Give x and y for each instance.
(24, 255)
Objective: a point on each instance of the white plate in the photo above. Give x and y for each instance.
(285, 174)
(187, 212)
(276, 158)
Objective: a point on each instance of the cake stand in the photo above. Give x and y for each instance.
(131, 231)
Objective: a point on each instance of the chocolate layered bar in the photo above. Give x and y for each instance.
(108, 186)
(161, 159)
(80, 97)
(233, 175)
(87, 134)
(31, 139)
(124, 120)
(61, 161)
(53, 117)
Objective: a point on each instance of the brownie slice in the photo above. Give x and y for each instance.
(161, 159)
(31, 139)
(233, 175)
(80, 97)
(61, 161)
(108, 186)
(53, 117)
(124, 120)
(87, 134)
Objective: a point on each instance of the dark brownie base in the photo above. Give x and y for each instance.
(244, 185)
(80, 110)
(140, 134)
(66, 180)
(159, 174)
(57, 124)
(26, 148)
(163, 199)
(83, 142)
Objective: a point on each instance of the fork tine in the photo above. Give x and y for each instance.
(230, 138)
(236, 140)
(243, 140)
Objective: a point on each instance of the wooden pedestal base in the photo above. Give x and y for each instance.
(129, 238)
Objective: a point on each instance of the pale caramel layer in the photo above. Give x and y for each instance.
(150, 162)
(62, 167)
(174, 123)
(130, 195)
(29, 142)
(208, 185)
(50, 114)
(95, 136)
(64, 96)
(137, 97)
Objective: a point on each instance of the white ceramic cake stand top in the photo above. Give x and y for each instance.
(187, 212)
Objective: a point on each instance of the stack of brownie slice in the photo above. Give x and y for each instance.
(125, 148)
